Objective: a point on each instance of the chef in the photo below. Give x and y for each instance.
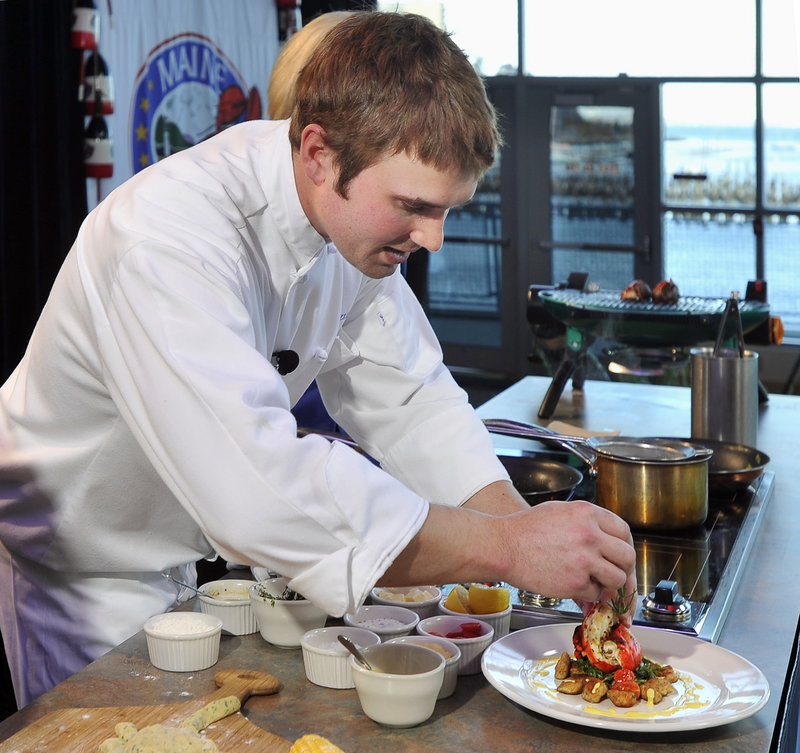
(148, 424)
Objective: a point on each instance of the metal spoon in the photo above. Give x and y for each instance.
(353, 649)
(186, 585)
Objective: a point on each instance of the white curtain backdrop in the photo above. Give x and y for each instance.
(182, 70)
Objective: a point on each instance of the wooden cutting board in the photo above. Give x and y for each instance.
(82, 730)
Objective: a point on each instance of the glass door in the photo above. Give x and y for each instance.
(600, 152)
(572, 191)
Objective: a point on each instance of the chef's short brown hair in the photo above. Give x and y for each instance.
(385, 83)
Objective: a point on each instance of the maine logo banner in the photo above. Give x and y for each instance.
(187, 91)
(183, 71)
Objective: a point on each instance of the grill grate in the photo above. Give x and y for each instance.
(604, 314)
(609, 300)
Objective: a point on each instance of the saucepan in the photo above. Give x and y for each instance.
(653, 483)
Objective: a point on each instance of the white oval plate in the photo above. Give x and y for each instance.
(716, 686)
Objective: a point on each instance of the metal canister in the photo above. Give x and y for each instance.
(725, 395)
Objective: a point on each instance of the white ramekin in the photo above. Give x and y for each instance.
(283, 622)
(404, 692)
(326, 660)
(451, 662)
(500, 621)
(236, 613)
(471, 648)
(183, 641)
(386, 621)
(424, 608)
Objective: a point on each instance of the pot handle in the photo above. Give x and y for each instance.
(576, 445)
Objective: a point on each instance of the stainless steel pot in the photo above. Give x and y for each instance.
(652, 483)
(654, 495)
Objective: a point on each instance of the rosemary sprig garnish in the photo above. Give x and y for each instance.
(623, 602)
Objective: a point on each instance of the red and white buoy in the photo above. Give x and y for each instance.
(85, 25)
(98, 86)
(97, 144)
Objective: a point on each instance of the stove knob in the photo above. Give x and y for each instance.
(665, 604)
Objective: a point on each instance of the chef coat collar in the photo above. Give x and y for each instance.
(283, 202)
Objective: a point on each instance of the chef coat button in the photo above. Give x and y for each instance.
(321, 354)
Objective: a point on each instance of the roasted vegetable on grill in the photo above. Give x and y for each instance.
(637, 291)
(666, 292)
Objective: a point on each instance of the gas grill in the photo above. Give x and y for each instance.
(588, 316)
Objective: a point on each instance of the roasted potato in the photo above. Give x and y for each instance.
(563, 666)
(668, 673)
(572, 685)
(594, 690)
(622, 698)
(651, 695)
(659, 684)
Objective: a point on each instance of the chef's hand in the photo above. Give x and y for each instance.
(572, 550)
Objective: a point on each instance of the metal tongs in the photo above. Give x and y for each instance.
(731, 311)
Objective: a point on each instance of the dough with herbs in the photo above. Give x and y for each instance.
(158, 738)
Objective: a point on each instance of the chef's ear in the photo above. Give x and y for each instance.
(316, 156)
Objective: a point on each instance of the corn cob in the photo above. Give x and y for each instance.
(314, 744)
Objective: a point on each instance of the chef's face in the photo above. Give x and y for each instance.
(393, 208)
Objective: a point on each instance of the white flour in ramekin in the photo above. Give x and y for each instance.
(180, 623)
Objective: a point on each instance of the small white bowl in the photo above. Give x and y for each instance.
(386, 621)
(500, 621)
(407, 596)
(282, 622)
(448, 649)
(326, 660)
(403, 692)
(230, 601)
(183, 641)
(444, 625)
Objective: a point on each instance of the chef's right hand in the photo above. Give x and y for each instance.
(573, 550)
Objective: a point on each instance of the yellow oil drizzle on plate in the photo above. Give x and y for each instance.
(689, 695)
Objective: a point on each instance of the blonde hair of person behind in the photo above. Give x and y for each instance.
(385, 83)
(292, 58)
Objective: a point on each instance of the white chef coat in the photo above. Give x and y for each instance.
(146, 426)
